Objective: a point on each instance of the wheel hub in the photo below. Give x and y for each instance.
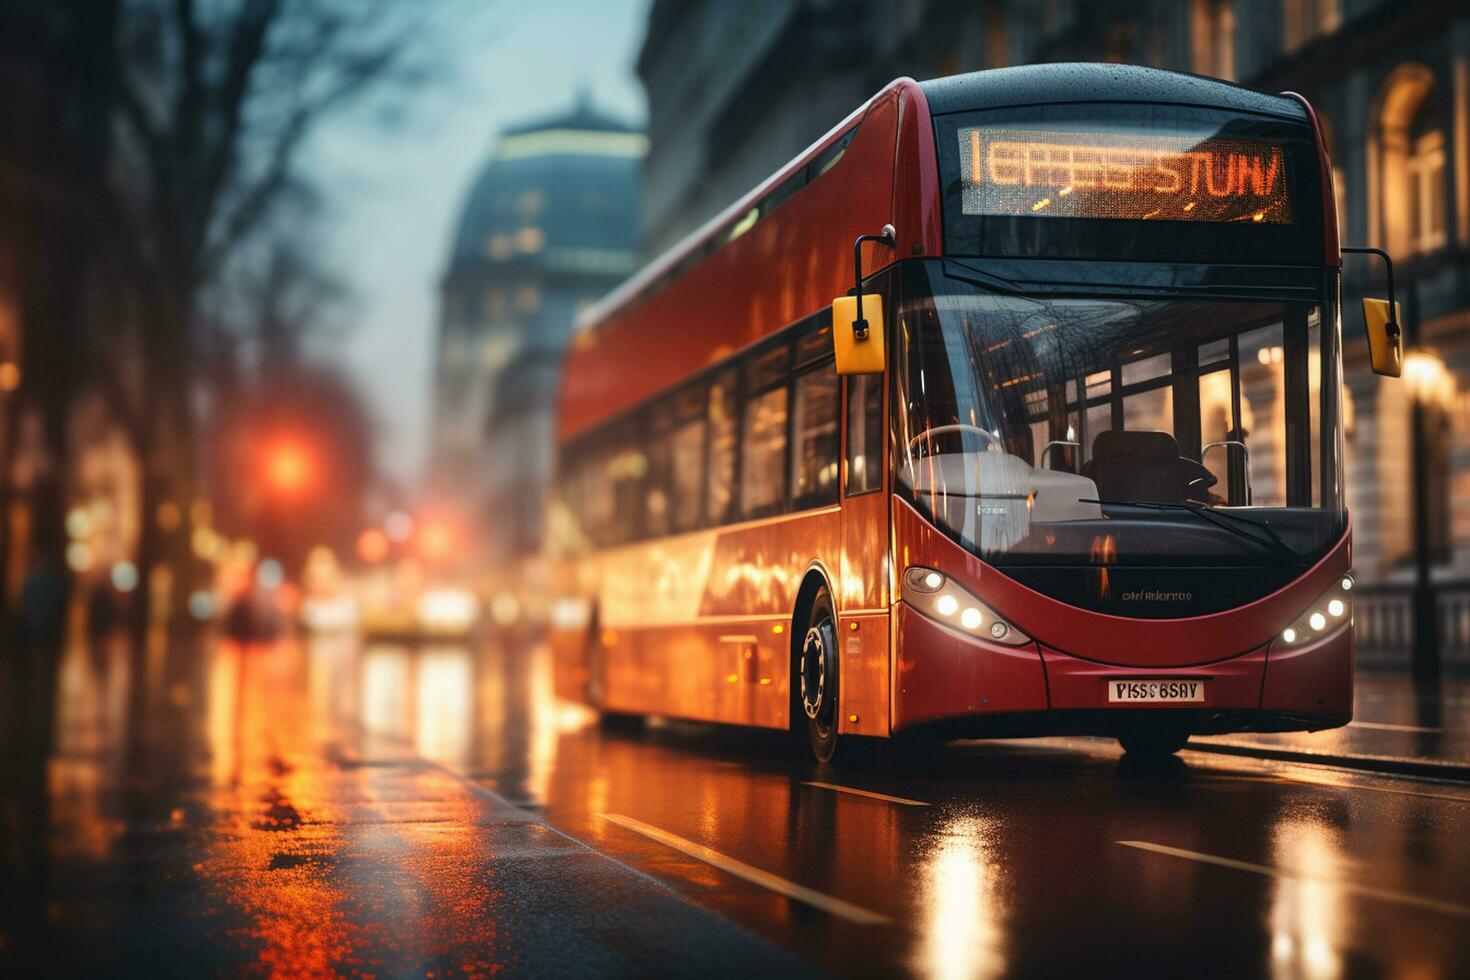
(813, 672)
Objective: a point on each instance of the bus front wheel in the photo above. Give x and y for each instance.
(817, 678)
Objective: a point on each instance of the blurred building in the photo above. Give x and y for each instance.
(549, 225)
(734, 91)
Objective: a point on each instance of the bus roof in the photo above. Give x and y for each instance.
(1092, 82)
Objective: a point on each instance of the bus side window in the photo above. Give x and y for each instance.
(814, 438)
(763, 431)
(720, 458)
(864, 433)
(598, 504)
(627, 465)
(686, 459)
(763, 454)
(656, 488)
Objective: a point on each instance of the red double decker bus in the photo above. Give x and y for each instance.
(1072, 465)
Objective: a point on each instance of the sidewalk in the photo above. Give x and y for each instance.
(1394, 728)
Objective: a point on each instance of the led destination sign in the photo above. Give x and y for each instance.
(1129, 176)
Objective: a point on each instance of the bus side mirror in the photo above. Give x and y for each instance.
(1385, 337)
(1382, 319)
(857, 320)
(858, 342)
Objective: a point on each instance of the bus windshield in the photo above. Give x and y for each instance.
(1057, 435)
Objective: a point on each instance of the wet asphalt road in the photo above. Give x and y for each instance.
(326, 808)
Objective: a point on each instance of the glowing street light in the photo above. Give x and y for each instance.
(1427, 378)
(288, 467)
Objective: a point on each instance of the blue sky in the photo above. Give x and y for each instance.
(395, 196)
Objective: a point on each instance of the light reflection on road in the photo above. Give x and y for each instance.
(963, 936)
(1307, 913)
(445, 705)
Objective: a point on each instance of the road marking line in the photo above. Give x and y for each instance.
(1367, 891)
(1375, 789)
(1384, 726)
(1243, 776)
(865, 792)
(756, 876)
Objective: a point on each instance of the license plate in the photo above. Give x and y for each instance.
(1136, 692)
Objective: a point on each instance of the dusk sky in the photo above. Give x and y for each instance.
(398, 195)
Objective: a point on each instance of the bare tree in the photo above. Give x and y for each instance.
(214, 104)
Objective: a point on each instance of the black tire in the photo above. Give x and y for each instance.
(623, 724)
(816, 677)
(1153, 741)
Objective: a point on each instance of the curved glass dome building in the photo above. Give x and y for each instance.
(549, 225)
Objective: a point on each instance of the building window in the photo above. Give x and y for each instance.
(1407, 191)
(1425, 171)
(1212, 37)
(1302, 20)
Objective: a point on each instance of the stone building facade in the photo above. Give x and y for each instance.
(734, 90)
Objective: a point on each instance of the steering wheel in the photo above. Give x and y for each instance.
(928, 434)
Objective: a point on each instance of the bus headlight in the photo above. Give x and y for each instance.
(933, 594)
(1334, 608)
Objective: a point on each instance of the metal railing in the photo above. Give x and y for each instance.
(1384, 619)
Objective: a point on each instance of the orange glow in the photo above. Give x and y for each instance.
(234, 578)
(288, 467)
(287, 598)
(435, 540)
(372, 546)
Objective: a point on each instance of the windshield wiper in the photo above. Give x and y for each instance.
(1272, 542)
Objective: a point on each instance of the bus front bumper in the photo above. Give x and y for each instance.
(965, 686)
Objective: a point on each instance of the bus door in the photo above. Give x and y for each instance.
(862, 586)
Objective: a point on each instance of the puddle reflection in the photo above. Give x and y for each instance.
(1308, 914)
(962, 928)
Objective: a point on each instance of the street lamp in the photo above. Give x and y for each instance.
(1429, 385)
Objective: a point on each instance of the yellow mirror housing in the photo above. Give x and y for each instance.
(1385, 337)
(858, 355)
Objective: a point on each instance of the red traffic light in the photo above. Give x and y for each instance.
(287, 466)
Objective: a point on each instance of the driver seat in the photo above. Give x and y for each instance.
(1143, 466)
